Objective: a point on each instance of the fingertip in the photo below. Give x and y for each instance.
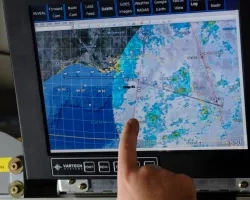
(131, 130)
(133, 121)
(127, 155)
(133, 124)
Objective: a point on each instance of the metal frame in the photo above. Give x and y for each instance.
(198, 164)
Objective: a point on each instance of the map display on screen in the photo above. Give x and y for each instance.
(182, 81)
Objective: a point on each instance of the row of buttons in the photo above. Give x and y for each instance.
(104, 166)
(108, 8)
(92, 166)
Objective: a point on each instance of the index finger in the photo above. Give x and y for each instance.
(127, 156)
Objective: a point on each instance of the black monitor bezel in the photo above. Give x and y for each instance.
(198, 164)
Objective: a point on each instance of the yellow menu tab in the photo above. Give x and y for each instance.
(4, 162)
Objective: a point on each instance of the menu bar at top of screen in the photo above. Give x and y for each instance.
(134, 21)
(92, 9)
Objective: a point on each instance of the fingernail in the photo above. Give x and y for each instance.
(132, 121)
(133, 125)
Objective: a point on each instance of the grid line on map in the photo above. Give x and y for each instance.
(54, 84)
(71, 85)
(83, 124)
(102, 100)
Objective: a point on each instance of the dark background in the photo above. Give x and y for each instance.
(8, 108)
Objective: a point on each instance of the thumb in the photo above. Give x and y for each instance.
(127, 156)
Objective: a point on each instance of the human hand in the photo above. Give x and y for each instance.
(147, 182)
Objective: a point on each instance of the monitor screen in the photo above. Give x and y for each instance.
(176, 66)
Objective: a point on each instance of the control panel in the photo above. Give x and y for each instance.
(80, 167)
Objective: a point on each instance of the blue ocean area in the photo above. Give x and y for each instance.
(79, 108)
(79, 116)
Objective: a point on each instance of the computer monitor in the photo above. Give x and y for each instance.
(176, 66)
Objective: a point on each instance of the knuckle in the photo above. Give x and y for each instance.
(144, 171)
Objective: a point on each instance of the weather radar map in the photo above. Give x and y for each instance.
(182, 81)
